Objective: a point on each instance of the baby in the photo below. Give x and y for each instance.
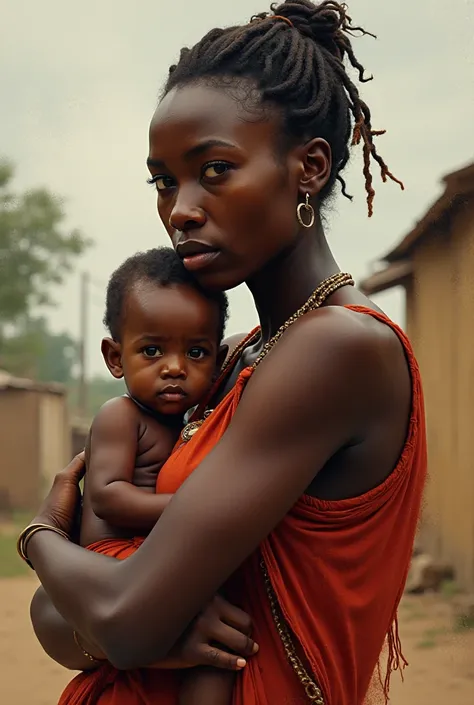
(166, 336)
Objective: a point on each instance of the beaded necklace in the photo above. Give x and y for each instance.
(317, 299)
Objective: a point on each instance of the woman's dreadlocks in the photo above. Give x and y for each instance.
(295, 55)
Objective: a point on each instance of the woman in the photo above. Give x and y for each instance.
(310, 457)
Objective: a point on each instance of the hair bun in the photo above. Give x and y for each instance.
(326, 23)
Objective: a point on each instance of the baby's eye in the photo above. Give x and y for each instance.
(152, 351)
(197, 353)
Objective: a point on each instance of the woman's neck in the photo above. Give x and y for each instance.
(286, 283)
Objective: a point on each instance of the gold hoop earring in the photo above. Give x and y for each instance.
(309, 209)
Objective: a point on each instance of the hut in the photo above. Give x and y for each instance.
(35, 440)
(434, 263)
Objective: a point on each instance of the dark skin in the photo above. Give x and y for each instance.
(335, 391)
(130, 446)
(125, 449)
(168, 353)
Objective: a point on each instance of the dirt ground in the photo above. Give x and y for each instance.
(441, 659)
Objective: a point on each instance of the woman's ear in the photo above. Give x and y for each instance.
(112, 354)
(316, 162)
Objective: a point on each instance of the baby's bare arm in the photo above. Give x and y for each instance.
(211, 686)
(111, 456)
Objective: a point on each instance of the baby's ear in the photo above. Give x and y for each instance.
(112, 354)
(221, 357)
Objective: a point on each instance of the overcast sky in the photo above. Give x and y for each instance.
(78, 86)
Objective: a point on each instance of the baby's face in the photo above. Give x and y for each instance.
(169, 346)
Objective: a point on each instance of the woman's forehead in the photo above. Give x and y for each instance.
(194, 100)
(199, 112)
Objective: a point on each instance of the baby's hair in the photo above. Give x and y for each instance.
(162, 267)
(295, 55)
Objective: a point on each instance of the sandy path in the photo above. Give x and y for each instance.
(441, 661)
(29, 677)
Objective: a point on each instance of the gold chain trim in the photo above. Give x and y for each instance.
(312, 690)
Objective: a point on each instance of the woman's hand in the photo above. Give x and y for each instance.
(218, 637)
(61, 507)
(219, 623)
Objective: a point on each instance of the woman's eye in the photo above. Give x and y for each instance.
(197, 353)
(152, 351)
(161, 183)
(214, 170)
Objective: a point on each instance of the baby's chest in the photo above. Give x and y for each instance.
(153, 450)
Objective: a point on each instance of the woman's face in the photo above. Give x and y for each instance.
(225, 195)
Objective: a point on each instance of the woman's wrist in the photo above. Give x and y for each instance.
(36, 526)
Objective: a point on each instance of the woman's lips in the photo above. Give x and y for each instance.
(200, 260)
(196, 254)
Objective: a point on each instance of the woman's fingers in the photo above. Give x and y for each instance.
(233, 616)
(74, 471)
(61, 505)
(234, 640)
(219, 637)
(217, 658)
(225, 624)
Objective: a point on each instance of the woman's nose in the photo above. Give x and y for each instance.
(186, 214)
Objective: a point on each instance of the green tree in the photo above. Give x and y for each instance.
(34, 351)
(36, 251)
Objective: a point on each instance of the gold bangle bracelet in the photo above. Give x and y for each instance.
(84, 652)
(28, 532)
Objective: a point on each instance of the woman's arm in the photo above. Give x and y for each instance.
(218, 623)
(305, 402)
(56, 636)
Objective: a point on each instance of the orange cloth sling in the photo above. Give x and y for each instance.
(338, 569)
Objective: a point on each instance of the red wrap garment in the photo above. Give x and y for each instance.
(338, 569)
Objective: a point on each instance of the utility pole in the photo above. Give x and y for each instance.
(84, 325)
